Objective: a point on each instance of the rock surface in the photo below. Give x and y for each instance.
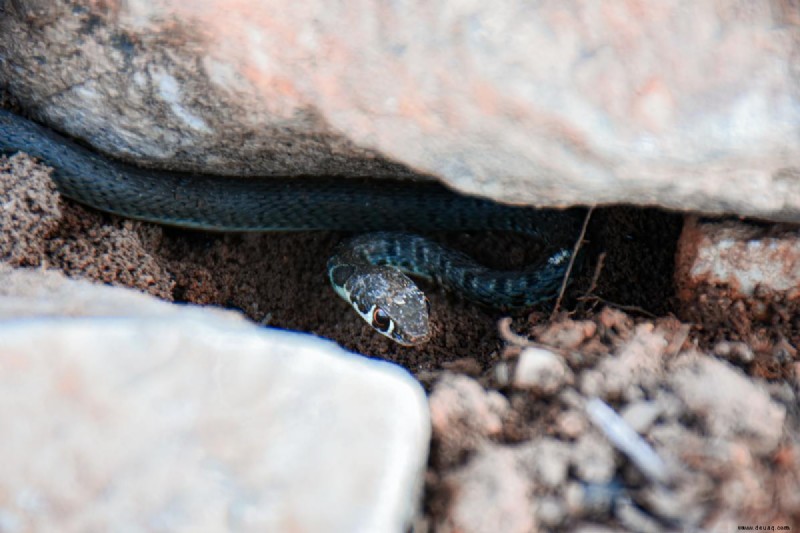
(119, 411)
(740, 275)
(685, 105)
(740, 256)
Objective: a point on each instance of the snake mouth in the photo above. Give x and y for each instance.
(412, 341)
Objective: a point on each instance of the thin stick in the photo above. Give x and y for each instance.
(601, 259)
(632, 308)
(588, 296)
(575, 250)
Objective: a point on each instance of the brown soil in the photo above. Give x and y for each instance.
(279, 279)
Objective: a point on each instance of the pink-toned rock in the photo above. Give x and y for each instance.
(738, 257)
(464, 415)
(735, 274)
(686, 105)
(490, 494)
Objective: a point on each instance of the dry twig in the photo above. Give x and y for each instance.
(575, 250)
(601, 260)
(621, 307)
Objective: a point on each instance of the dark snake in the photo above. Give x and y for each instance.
(366, 271)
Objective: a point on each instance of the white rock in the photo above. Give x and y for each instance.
(181, 421)
(641, 415)
(593, 459)
(547, 460)
(541, 370)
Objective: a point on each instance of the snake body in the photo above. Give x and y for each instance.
(362, 271)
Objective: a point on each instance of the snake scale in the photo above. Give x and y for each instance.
(366, 271)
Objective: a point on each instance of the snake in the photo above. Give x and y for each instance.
(370, 271)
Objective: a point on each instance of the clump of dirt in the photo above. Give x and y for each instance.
(30, 214)
(768, 325)
(534, 442)
(44, 230)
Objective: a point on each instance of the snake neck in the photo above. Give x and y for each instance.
(458, 272)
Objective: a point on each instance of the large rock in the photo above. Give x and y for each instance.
(685, 105)
(122, 412)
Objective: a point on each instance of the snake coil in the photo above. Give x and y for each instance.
(365, 271)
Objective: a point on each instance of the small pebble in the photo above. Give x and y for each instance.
(641, 415)
(502, 374)
(593, 459)
(737, 352)
(541, 371)
(547, 461)
(550, 511)
(572, 424)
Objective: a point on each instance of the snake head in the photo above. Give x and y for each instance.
(388, 301)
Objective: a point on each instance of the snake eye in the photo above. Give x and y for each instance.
(380, 320)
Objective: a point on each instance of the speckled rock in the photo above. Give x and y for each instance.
(684, 105)
(723, 261)
(122, 412)
(741, 276)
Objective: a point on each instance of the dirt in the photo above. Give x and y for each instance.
(729, 443)
(618, 316)
(279, 279)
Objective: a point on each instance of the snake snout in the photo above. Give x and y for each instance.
(400, 310)
(389, 302)
(413, 338)
(408, 315)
